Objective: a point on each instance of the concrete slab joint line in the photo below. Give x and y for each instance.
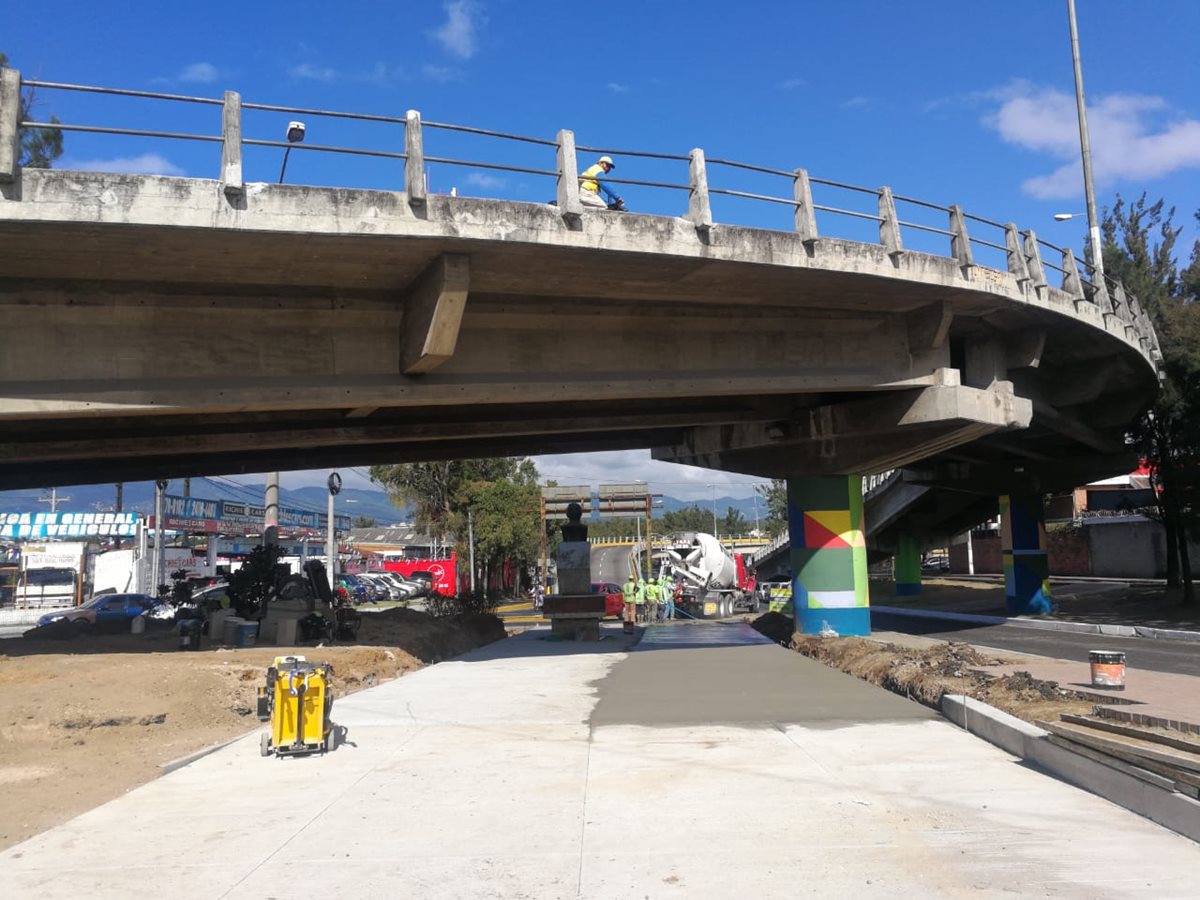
(1172, 810)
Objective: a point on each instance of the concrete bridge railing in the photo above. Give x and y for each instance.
(1019, 251)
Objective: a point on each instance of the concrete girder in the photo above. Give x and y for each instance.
(432, 313)
(862, 435)
(995, 478)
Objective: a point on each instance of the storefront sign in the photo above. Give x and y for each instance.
(64, 524)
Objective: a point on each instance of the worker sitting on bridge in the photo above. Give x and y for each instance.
(629, 595)
(590, 188)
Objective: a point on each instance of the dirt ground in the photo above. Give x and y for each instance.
(85, 720)
(926, 675)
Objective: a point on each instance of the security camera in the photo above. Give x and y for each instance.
(295, 132)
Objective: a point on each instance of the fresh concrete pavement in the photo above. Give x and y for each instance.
(703, 762)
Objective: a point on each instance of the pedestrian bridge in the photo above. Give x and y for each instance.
(170, 326)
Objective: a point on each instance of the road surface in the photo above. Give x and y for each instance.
(1179, 657)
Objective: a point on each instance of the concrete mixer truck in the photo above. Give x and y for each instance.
(716, 583)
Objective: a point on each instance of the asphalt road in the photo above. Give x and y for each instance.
(610, 564)
(1179, 657)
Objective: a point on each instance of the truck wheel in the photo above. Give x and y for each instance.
(331, 740)
(264, 744)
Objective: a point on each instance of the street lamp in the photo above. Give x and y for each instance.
(295, 135)
(1086, 151)
(1063, 217)
(714, 506)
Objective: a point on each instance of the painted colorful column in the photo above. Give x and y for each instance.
(829, 554)
(1023, 548)
(908, 565)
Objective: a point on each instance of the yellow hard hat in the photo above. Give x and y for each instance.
(608, 159)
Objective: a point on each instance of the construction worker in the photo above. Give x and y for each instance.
(668, 597)
(629, 595)
(590, 189)
(652, 598)
(639, 597)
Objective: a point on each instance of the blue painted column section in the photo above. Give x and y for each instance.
(908, 565)
(829, 554)
(1023, 549)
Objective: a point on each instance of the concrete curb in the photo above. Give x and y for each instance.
(1172, 810)
(189, 758)
(1146, 631)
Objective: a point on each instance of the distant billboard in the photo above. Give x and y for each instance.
(629, 489)
(198, 515)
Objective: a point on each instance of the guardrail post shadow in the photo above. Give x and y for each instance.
(1018, 267)
(960, 241)
(889, 225)
(806, 216)
(569, 205)
(231, 146)
(1071, 282)
(414, 159)
(1033, 261)
(10, 125)
(699, 209)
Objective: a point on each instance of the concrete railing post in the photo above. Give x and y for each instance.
(231, 145)
(960, 241)
(1033, 261)
(1121, 307)
(1017, 265)
(806, 216)
(10, 124)
(1071, 282)
(414, 161)
(699, 210)
(889, 224)
(568, 176)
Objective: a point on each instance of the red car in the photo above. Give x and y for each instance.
(614, 600)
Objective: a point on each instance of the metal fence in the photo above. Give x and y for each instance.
(1020, 249)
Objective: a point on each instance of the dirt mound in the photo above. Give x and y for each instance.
(85, 720)
(776, 626)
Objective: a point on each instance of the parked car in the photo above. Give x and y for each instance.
(614, 599)
(408, 590)
(103, 611)
(360, 591)
(936, 562)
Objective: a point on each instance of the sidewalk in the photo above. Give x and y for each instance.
(1103, 603)
(717, 767)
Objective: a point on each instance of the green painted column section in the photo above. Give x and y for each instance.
(829, 554)
(908, 565)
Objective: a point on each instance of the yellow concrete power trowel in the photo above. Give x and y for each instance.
(296, 700)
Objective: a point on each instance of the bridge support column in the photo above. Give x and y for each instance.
(908, 565)
(1023, 549)
(829, 554)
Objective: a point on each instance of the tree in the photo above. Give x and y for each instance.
(1139, 242)
(363, 522)
(734, 522)
(40, 147)
(690, 518)
(775, 495)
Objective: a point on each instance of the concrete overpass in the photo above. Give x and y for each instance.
(163, 327)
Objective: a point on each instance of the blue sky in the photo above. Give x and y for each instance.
(967, 102)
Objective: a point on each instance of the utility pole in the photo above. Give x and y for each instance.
(159, 536)
(1097, 257)
(471, 542)
(714, 506)
(53, 499)
(334, 484)
(120, 496)
(187, 487)
(271, 510)
(649, 540)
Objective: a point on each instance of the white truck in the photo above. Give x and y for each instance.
(715, 582)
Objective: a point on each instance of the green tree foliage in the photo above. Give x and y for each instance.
(363, 522)
(775, 495)
(1139, 249)
(253, 584)
(40, 147)
(690, 518)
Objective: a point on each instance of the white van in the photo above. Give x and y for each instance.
(49, 587)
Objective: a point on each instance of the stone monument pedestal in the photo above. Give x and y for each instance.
(574, 612)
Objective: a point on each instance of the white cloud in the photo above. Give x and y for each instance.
(1127, 142)
(483, 180)
(440, 74)
(458, 35)
(383, 75)
(200, 73)
(617, 88)
(791, 84)
(146, 164)
(313, 72)
(859, 102)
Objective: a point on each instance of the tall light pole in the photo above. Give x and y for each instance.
(714, 506)
(335, 485)
(1097, 257)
